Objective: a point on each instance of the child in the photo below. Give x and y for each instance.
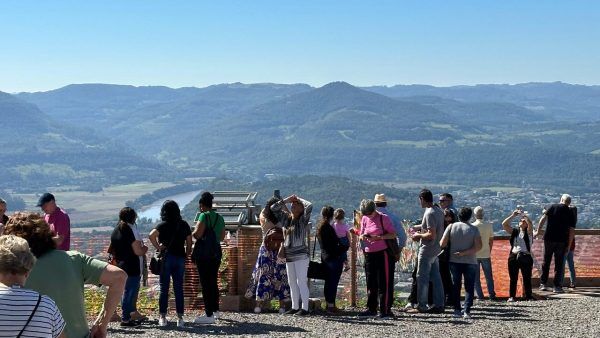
(341, 229)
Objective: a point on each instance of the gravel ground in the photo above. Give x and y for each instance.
(544, 318)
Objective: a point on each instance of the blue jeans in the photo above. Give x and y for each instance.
(174, 266)
(334, 267)
(469, 271)
(428, 270)
(486, 265)
(569, 260)
(132, 287)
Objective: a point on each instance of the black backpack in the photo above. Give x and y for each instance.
(208, 248)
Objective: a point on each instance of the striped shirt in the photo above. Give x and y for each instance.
(16, 305)
(295, 230)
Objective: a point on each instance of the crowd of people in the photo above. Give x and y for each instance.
(40, 273)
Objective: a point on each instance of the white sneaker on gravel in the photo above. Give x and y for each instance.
(543, 287)
(257, 309)
(204, 320)
(217, 314)
(467, 315)
(162, 321)
(511, 300)
(409, 306)
(180, 322)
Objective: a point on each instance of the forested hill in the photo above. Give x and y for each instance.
(541, 135)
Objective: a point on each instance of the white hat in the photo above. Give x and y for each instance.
(380, 198)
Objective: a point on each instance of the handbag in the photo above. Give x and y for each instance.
(316, 270)
(31, 315)
(393, 249)
(207, 247)
(444, 256)
(157, 260)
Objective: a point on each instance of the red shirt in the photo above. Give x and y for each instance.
(61, 224)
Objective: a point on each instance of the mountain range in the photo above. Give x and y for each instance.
(537, 133)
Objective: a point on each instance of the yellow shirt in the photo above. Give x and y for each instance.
(486, 230)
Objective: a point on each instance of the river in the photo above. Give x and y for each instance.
(153, 210)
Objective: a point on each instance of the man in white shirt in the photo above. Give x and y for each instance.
(486, 230)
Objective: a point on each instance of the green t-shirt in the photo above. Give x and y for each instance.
(61, 275)
(218, 224)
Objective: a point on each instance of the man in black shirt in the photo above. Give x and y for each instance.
(557, 240)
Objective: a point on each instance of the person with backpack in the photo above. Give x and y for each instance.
(207, 254)
(269, 277)
(520, 253)
(172, 238)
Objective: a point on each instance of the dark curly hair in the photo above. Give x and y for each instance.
(33, 228)
(126, 216)
(268, 212)
(169, 212)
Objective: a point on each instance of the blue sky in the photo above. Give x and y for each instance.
(49, 44)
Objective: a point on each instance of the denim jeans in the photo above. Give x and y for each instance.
(569, 260)
(174, 266)
(486, 265)
(132, 287)
(429, 271)
(334, 267)
(458, 271)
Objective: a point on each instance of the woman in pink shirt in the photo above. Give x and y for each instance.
(375, 228)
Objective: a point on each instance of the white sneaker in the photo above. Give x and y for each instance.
(204, 320)
(180, 322)
(281, 310)
(162, 321)
(217, 314)
(511, 300)
(543, 287)
(257, 309)
(409, 306)
(467, 315)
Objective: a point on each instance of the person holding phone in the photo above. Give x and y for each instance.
(520, 257)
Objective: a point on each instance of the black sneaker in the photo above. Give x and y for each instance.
(367, 313)
(436, 310)
(291, 312)
(388, 315)
(131, 323)
(301, 313)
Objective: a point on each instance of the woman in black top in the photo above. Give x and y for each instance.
(126, 250)
(173, 237)
(332, 255)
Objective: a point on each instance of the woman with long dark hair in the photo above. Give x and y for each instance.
(127, 250)
(449, 218)
(332, 255)
(173, 237)
(269, 278)
(208, 267)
